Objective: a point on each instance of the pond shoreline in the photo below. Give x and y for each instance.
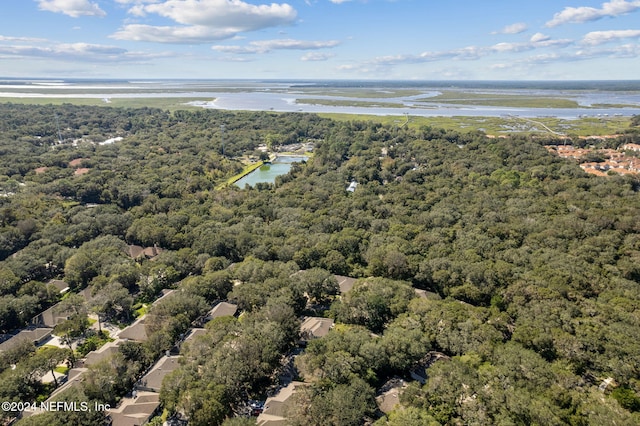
(274, 168)
(247, 170)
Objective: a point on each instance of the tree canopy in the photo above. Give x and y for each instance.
(531, 265)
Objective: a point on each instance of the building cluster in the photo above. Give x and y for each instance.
(143, 403)
(615, 161)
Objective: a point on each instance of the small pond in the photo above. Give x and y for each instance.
(268, 172)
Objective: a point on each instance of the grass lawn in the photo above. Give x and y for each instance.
(140, 311)
(61, 369)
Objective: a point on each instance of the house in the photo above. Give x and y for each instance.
(271, 420)
(192, 337)
(136, 331)
(276, 407)
(345, 283)
(138, 252)
(315, 327)
(631, 147)
(76, 163)
(152, 381)
(427, 294)
(193, 334)
(595, 172)
(51, 317)
(419, 371)
(62, 286)
(81, 171)
(74, 376)
(165, 293)
(86, 294)
(37, 335)
(596, 166)
(136, 410)
(622, 171)
(105, 351)
(352, 186)
(222, 309)
(389, 394)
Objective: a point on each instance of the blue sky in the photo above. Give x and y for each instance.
(329, 39)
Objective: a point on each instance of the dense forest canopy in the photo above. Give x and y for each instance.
(536, 264)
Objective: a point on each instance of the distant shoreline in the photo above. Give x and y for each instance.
(568, 100)
(615, 85)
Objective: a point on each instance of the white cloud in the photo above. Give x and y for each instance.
(626, 51)
(537, 41)
(516, 28)
(193, 34)
(339, 1)
(577, 15)
(73, 8)
(511, 47)
(465, 53)
(470, 53)
(203, 21)
(265, 46)
(74, 52)
(617, 52)
(224, 13)
(69, 51)
(539, 37)
(21, 39)
(235, 59)
(316, 57)
(599, 37)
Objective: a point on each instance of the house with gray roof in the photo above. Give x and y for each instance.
(315, 327)
(277, 407)
(36, 335)
(135, 411)
(345, 283)
(105, 351)
(136, 331)
(62, 286)
(222, 309)
(152, 381)
(51, 317)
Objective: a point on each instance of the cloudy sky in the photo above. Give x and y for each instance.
(330, 39)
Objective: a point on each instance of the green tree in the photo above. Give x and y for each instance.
(373, 302)
(317, 283)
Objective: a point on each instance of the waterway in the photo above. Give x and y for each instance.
(268, 172)
(622, 97)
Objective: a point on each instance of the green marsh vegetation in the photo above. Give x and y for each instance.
(360, 92)
(586, 126)
(501, 99)
(168, 103)
(339, 102)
